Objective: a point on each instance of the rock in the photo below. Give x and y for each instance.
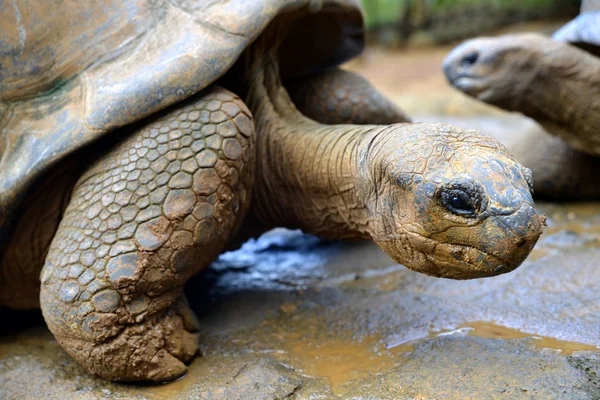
(501, 369)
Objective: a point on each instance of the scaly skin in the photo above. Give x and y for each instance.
(160, 204)
(343, 97)
(388, 183)
(142, 219)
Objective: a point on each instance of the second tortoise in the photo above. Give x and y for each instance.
(555, 81)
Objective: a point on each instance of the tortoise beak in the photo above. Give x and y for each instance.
(521, 231)
(499, 245)
(465, 68)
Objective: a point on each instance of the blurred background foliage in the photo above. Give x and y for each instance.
(395, 22)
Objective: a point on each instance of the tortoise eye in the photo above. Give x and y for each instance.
(470, 58)
(458, 203)
(461, 201)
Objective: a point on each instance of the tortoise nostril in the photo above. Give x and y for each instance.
(521, 243)
(470, 58)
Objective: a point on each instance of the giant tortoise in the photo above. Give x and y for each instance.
(555, 81)
(125, 169)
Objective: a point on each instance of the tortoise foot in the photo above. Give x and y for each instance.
(155, 349)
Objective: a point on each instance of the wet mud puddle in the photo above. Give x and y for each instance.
(492, 331)
(337, 360)
(344, 360)
(340, 360)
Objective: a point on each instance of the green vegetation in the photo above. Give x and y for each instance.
(382, 12)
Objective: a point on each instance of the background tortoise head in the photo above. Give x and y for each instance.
(552, 80)
(500, 70)
(505, 70)
(449, 202)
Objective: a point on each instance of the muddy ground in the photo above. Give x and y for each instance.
(291, 316)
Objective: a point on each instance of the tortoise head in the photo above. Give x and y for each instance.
(449, 202)
(501, 70)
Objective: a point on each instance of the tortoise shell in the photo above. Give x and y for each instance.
(72, 72)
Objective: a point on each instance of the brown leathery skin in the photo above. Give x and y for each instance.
(142, 219)
(555, 83)
(333, 97)
(343, 97)
(388, 183)
(422, 164)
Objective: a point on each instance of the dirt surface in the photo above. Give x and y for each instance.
(291, 316)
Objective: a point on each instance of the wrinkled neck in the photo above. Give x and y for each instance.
(308, 177)
(307, 174)
(564, 92)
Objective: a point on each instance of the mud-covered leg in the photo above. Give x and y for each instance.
(343, 97)
(142, 219)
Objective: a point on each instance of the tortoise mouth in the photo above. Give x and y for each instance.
(477, 87)
(462, 261)
(457, 260)
(470, 84)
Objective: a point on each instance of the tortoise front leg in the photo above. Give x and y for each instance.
(343, 97)
(142, 220)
